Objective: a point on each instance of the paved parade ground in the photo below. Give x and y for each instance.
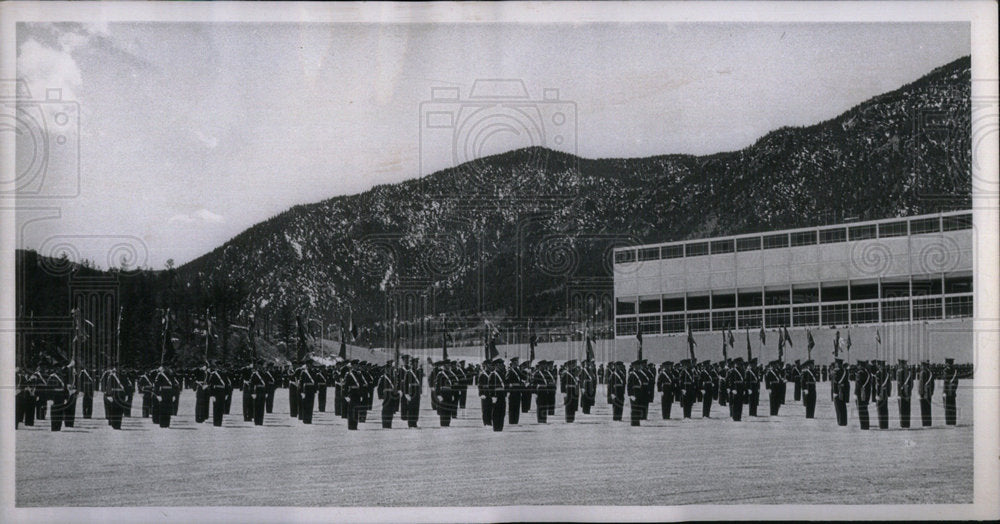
(594, 461)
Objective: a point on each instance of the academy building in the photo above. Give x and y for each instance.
(906, 282)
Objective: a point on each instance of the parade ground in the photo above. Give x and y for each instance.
(593, 461)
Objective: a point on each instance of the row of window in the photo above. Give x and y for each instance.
(917, 287)
(935, 308)
(898, 228)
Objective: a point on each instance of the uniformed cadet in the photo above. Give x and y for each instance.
(228, 378)
(320, 375)
(570, 387)
(665, 385)
(307, 393)
(950, 392)
(721, 370)
(246, 391)
(388, 393)
(708, 388)
(114, 397)
(272, 384)
(862, 392)
(796, 380)
(752, 380)
(20, 392)
(498, 394)
(840, 389)
(352, 396)
(772, 382)
(56, 392)
(483, 387)
(128, 380)
(634, 387)
(258, 392)
(526, 391)
(539, 385)
(904, 389)
(293, 392)
(515, 384)
(216, 389)
(444, 392)
(925, 380)
(737, 389)
(145, 385)
(808, 379)
(86, 388)
(412, 384)
(883, 390)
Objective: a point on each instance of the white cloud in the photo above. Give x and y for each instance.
(201, 216)
(45, 68)
(209, 140)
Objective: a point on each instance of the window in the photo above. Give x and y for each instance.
(926, 286)
(698, 321)
(958, 284)
(954, 223)
(895, 289)
(833, 294)
(834, 315)
(864, 313)
(675, 251)
(673, 304)
(622, 257)
(896, 311)
(649, 305)
(673, 323)
(804, 238)
(723, 301)
(925, 225)
(829, 236)
(892, 229)
(722, 246)
(957, 307)
(649, 325)
(748, 244)
(777, 317)
(625, 326)
(723, 320)
(750, 299)
(698, 302)
(748, 318)
(775, 241)
(805, 295)
(926, 308)
(863, 232)
(776, 297)
(864, 291)
(806, 316)
(696, 250)
(625, 306)
(649, 253)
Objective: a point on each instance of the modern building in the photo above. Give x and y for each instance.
(857, 276)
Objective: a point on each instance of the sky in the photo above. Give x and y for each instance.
(189, 133)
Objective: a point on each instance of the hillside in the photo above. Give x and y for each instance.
(460, 233)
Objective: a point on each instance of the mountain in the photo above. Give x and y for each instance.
(467, 236)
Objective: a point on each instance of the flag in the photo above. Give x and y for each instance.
(763, 336)
(532, 341)
(781, 346)
(749, 354)
(444, 345)
(352, 328)
(732, 339)
(725, 354)
(253, 336)
(638, 336)
(788, 338)
(836, 344)
(208, 334)
(118, 336)
(343, 344)
(691, 343)
(491, 341)
(167, 348)
(810, 344)
(878, 337)
(848, 343)
(590, 347)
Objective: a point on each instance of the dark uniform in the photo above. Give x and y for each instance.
(840, 390)
(498, 394)
(665, 385)
(145, 386)
(796, 378)
(388, 393)
(539, 384)
(86, 388)
(293, 394)
(321, 385)
(807, 377)
(772, 381)
(216, 388)
(114, 398)
(515, 383)
(352, 396)
(926, 385)
(862, 392)
(904, 389)
(737, 390)
(635, 392)
(258, 392)
(570, 387)
(883, 390)
(690, 385)
(950, 392)
(307, 394)
(412, 384)
(164, 389)
(483, 386)
(752, 380)
(56, 392)
(588, 388)
(708, 388)
(445, 394)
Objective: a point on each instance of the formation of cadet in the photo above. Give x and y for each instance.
(505, 389)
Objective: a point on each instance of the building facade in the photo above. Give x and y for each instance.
(901, 270)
